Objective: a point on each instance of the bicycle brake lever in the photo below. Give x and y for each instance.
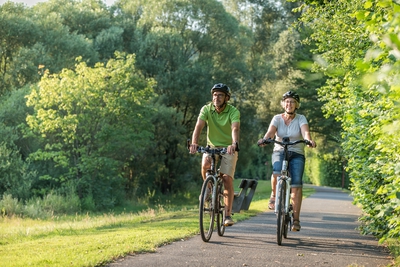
(188, 144)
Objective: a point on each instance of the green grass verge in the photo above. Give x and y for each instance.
(94, 240)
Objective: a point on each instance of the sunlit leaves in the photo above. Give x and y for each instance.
(361, 39)
(94, 119)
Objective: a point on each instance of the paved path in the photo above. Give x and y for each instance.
(328, 237)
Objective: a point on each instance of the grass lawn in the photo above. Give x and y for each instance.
(97, 239)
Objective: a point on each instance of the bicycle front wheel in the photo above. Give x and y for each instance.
(281, 220)
(221, 210)
(206, 209)
(288, 221)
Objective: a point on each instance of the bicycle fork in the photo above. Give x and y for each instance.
(283, 179)
(214, 191)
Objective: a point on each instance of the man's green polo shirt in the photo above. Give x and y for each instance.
(219, 131)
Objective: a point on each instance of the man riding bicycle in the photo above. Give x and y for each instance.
(223, 126)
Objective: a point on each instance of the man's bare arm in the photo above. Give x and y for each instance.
(196, 135)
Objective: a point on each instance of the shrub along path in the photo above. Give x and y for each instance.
(328, 238)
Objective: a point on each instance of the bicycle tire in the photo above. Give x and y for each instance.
(220, 210)
(286, 226)
(281, 210)
(206, 210)
(288, 222)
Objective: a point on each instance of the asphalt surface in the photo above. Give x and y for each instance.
(328, 237)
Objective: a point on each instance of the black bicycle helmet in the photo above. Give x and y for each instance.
(221, 87)
(291, 94)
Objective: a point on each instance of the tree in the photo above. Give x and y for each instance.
(95, 121)
(16, 31)
(87, 17)
(32, 40)
(18, 175)
(361, 94)
(108, 41)
(185, 47)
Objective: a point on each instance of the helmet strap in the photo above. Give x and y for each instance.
(223, 104)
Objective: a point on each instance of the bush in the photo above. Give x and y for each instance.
(10, 206)
(48, 206)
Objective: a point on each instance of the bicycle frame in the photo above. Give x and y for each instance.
(212, 172)
(287, 180)
(284, 177)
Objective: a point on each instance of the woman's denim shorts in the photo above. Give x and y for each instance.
(296, 166)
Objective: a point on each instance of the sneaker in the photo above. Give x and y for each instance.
(228, 221)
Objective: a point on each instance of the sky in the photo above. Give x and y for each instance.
(34, 2)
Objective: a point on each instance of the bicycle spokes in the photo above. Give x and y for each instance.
(206, 209)
(221, 210)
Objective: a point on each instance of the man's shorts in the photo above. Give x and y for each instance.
(296, 166)
(228, 163)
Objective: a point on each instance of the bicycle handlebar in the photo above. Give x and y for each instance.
(285, 142)
(207, 149)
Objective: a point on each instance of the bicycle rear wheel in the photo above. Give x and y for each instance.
(221, 210)
(206, 210)
(281, 210)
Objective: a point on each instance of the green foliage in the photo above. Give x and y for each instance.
(184, 46)
(34, 40)
(89, 132)
(52, 205)
(16, 31)
(394, 246)
(357, 41)
(108, 41)
(94, 121)
(40, 208)
(87, 17)
(10, 206)
(18, 175)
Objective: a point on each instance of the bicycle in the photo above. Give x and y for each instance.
(212, 206)
(283, 207)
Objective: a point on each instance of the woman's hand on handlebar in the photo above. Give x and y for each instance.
(311, 143)
(263, 141)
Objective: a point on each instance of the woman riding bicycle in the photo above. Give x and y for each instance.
(295, 126)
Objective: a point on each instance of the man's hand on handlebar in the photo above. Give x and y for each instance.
(193, 148)
(232, 148)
